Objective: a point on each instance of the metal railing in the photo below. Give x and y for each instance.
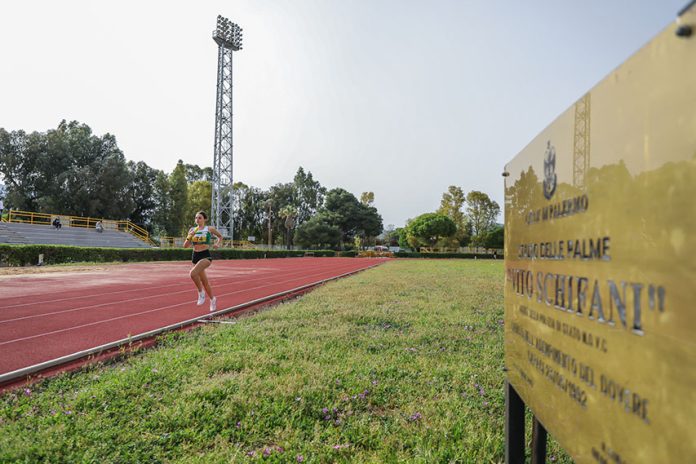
(46, 219)
(474, 250)
(178, 242)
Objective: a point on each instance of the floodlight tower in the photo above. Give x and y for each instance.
(228, 36)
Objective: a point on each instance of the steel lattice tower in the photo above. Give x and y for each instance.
(228, 36)
(581, 141)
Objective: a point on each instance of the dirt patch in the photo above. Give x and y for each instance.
(69, 268)
(28, 270)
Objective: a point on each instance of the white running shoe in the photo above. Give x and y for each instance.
(213, 304)
(201, 298)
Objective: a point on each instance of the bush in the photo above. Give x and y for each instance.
(23, 255)
(324, 253)
(375, 254)
(406, 254)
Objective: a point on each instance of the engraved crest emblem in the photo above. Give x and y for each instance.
(549, 171)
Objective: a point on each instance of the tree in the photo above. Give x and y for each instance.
(281, 195)
(199, 196)
(171, 198)
(66, 170)
(160, 217)
(142, 193)
(178, 195)
(451, 206)
(367, 198)
(288, 213)
(107, 183)
(249, 211)
(370, 222)
(403, 237)
(350, 216)
(268, 209)
(318, 232)
(428, 228)
(482, 213)
(19, 154)
(494, 238)
(195, 173)
(342, 207)
(390, 236)
(308, 195)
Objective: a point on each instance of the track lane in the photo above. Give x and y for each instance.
(66, 319)
(182, 285)
(53, 285)
(31, 341)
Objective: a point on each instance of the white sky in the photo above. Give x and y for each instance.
(399, 97)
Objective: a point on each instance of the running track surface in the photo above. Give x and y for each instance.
(46, 316)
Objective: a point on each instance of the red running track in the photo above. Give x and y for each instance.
(47, 316)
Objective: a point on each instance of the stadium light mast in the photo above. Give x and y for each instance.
(228, 36)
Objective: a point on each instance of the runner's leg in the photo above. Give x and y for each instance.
(196, 273)
(206, 284)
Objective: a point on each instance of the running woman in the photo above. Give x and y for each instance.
(199, 238)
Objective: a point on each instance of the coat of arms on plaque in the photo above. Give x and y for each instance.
(549, 171)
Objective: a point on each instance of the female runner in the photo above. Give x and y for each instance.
(200, 238)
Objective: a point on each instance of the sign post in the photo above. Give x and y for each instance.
(600, 258)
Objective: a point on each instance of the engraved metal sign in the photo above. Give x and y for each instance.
(600, 257)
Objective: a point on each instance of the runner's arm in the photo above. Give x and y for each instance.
(217, 234)
(188, 242)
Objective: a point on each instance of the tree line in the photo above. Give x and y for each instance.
(69, 170)
(461, 220)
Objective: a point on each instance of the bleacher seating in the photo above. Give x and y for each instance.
(34, 234)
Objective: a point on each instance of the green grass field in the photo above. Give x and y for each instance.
(402, 363)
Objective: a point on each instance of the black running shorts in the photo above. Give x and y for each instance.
(198, 255)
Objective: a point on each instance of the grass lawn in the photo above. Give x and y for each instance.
(402, 363)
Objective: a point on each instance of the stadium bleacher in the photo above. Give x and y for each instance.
(39, 234)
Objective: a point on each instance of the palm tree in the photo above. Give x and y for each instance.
(288, 212)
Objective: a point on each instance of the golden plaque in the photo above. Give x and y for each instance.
(600, 257)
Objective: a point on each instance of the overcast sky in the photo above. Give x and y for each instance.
(399, 97)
